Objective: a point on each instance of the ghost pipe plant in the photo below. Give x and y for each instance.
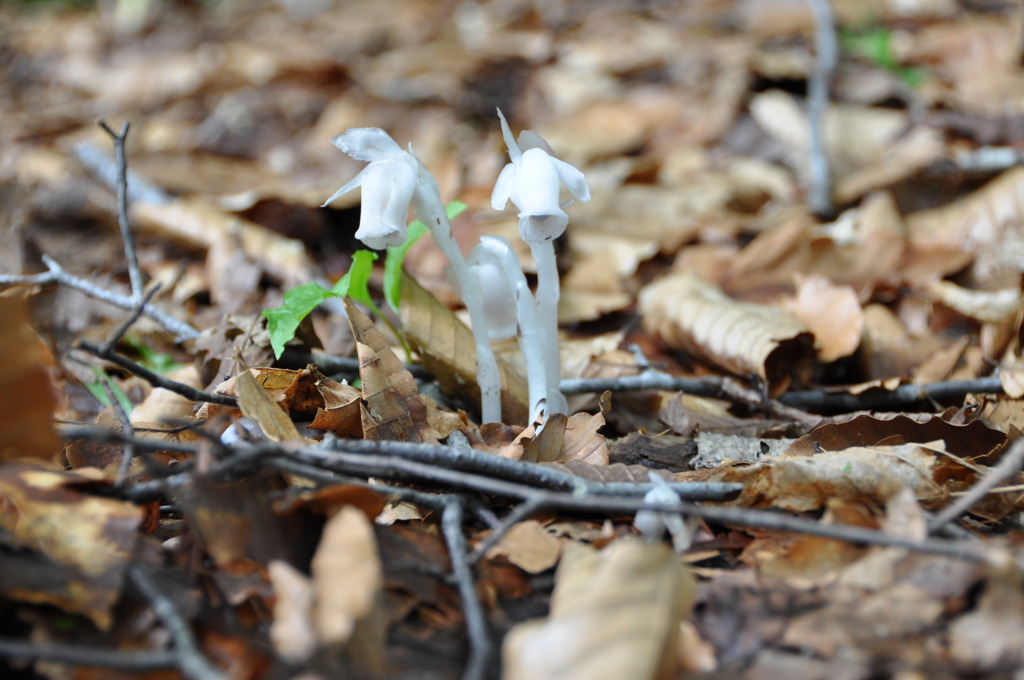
(512, 311)
(394, 179)
(532, 180)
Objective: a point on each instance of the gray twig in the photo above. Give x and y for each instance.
(1008, 465)
(400, 467)
(134, 271)
(480, 648)
(155, 379)
(827, 57)
(59, 275)
(188, 656)
(119, 332)
(95, 657)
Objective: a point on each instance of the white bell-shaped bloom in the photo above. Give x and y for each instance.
(496, 290)
(532, 181)
(389, 185)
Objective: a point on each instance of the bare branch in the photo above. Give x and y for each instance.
(480, 646)
(827, 57)
(134, 272)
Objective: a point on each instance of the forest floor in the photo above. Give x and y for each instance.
(790, 315)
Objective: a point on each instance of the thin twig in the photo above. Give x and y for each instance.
(134, 271)
(904, 396)
(480, 648)
(155, 379)
(119, 332)
(138, 661)
(59, 275)
(816, 401)
(188, 656)
(819, 197)
(1008, 465)
(126, 425)
(400, 467)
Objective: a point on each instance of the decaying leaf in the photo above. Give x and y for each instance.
(447, 350)
(614, 614)
(26, 397)
(745, 338)
(393, 407)
(529, 546)
(832, 313)
(72, 548)
(348, 582)
(291, 631)
(256, 404)
(803, 483)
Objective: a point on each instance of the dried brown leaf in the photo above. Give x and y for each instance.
(393, 407)
(257, 405)
(807, 483)
(27, 400)
(832, 313)
(86, 541)
(348, 582)
(614, 614)
(742, 337)
(529, 546)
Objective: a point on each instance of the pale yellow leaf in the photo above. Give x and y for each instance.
(529, 546)
(614, 614)
(348, 581)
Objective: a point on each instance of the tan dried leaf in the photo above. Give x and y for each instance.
(807, 483)
(393, 407)
(347, 582)
(832, 313)
(742, 337)
(614, 614)
(992, 306)
(257, 405)
(291, 629)
(529, 546)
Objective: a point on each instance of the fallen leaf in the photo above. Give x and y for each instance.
(347, 582)
(392, 405)
(832, 313)
(27, 400)
(86, 542)
(256, 404)
(742, 337)
(614, 614)
(529, 546)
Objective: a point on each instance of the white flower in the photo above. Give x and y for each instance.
(389, 183)
(532, 180)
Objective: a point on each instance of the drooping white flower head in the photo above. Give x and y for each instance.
(389, 185)
(489, 261)
(531, 181)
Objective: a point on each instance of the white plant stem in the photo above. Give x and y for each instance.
(487, 375)
(547, 314)
(529, 332)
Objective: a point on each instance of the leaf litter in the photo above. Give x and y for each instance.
(289, 537)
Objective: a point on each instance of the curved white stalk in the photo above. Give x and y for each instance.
(529, 330)
(432, 213)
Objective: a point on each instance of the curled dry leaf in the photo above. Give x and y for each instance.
(291, 631)
(743, 337)
(614, 614)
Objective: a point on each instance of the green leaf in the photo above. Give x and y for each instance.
(359, 277)
(396, 255)
(96, 389)
(298, 302)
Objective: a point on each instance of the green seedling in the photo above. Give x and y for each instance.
(875, 45)
(283, 321)
(96, 390)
